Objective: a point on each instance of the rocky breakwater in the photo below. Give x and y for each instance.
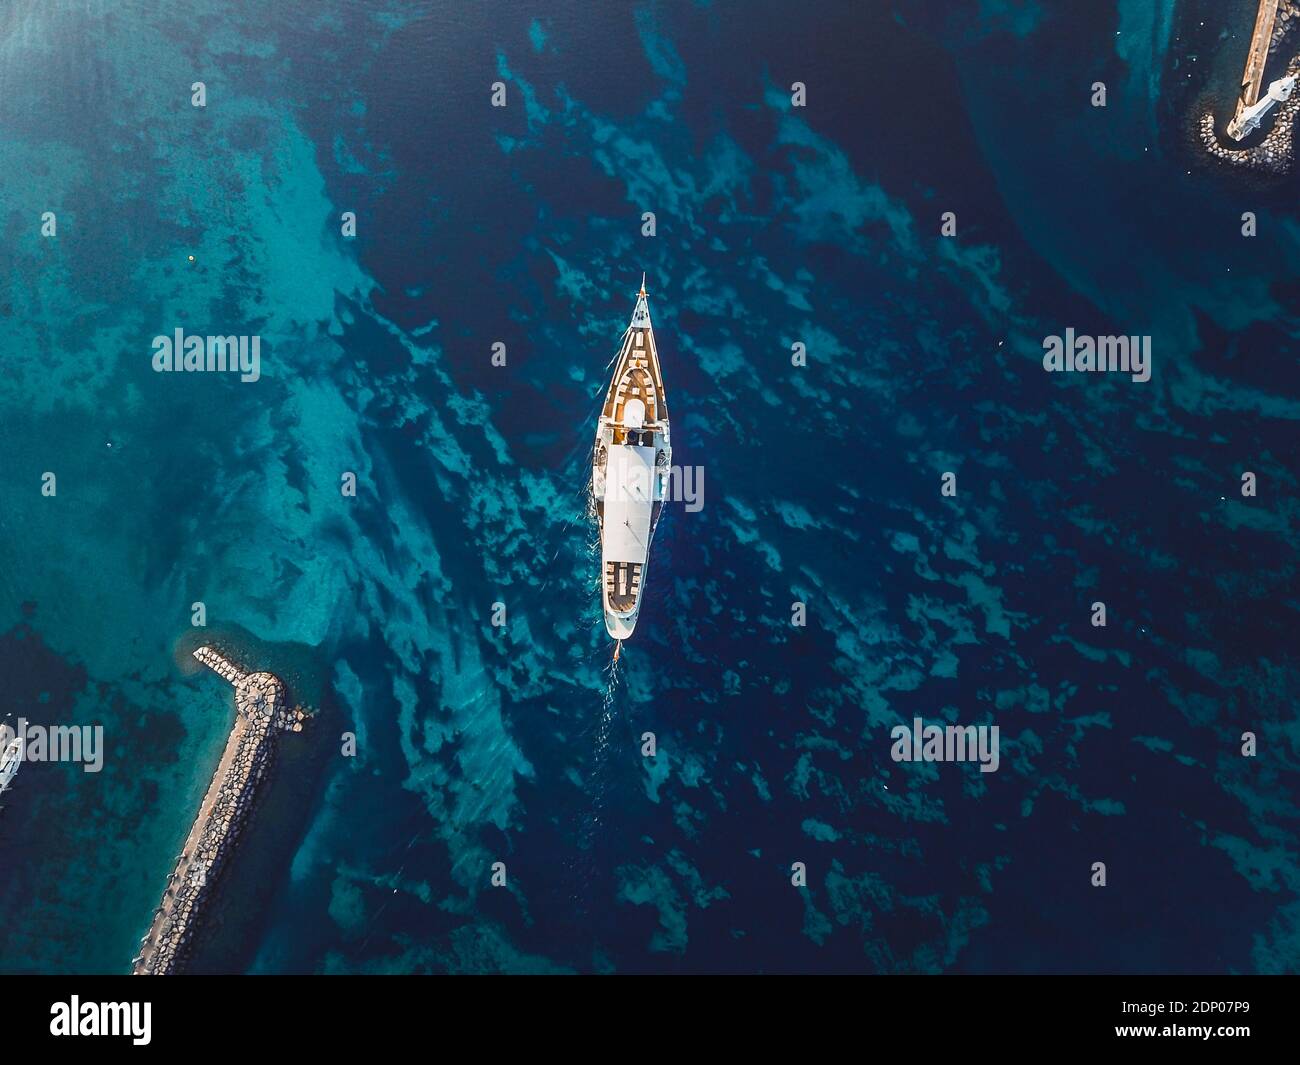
(1275, 153)
(262, 712)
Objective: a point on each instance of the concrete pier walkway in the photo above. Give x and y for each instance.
(1252, 79)
(1274, 154)
(261, 714)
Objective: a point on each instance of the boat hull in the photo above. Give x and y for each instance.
(630, 472)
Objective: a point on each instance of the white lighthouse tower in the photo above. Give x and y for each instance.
(1248, 120)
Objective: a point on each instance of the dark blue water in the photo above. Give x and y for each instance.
(775, 225)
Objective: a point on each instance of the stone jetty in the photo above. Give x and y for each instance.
(1261, 43)
(262, 712)
(1275, 154)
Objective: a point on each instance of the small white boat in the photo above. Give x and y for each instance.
(630, 471)
(11, 755)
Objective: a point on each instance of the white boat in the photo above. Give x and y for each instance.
(11, 755)
(630, 471)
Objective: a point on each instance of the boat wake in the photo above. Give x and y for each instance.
(625, 494)
(611, 679)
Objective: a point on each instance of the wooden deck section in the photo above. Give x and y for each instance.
(637, 375)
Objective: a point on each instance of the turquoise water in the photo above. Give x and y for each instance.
(522, 226)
